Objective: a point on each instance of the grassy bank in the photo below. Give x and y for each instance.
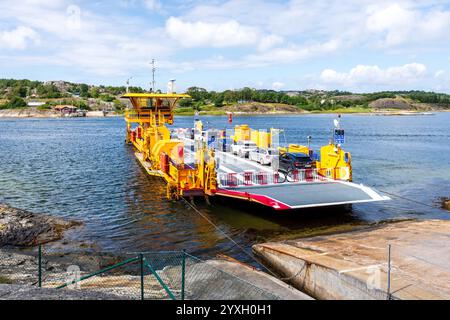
(279, 109)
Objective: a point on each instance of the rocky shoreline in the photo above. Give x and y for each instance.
(31, 113)
(22, 228)
(21, 231)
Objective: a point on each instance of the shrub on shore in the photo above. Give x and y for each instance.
(14, 103)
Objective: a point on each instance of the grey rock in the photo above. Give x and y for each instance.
(23, 228)
(21, 292)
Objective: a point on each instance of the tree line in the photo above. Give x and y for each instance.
(14, 93)
(307, 100)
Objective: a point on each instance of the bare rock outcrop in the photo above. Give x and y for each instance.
(20, 292)
(446, 204)
(28, 113)
(23, 228)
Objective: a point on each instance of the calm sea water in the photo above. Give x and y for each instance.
(81, 169)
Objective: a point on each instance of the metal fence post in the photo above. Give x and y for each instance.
(40, 266)
(183, 274)
(389, 275)
(141, 261)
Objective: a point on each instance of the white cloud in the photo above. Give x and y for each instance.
(394, 19)
(18, 38)
(439, 73)
(277, 85)
(275, 56)
(292, 53)
(397, 24)
(363, 75)
(87, 42)
(358, 23)
(206, 34)
(107, 41)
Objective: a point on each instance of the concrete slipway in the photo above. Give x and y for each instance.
(354, 265)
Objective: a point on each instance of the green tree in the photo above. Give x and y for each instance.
(19, 91)
(107, 98)
(198, 94)
(230, 96)
(95, 93)
(84, 91)
(218, 101)
(246, 94)
(119, 106)
(186, 103)
(16, 102)
(48, 91)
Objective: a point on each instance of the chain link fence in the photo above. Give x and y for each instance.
(364, 271)
(174, 275)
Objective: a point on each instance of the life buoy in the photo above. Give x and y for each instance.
(344, 173)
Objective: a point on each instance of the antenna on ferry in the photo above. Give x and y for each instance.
(153, 89)
(128, 83)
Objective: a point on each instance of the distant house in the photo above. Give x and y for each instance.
(292, 93)
(65, 109)
(35, 104)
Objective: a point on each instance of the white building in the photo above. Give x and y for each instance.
(35, 104)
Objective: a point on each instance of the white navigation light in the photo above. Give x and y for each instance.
(171, 86)
(336, 123)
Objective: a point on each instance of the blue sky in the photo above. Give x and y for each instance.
(356, 45)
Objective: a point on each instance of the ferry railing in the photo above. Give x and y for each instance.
(139, 116)
(251, 178)
(152, 117)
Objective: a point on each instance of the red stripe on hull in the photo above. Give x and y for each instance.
(264, 200)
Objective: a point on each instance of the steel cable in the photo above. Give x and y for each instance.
(411, 200)
(228, 237)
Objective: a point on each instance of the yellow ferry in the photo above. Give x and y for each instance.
(196, 162)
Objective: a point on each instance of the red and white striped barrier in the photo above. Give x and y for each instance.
(251, 178)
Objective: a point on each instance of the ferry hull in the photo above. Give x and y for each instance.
(305, 195)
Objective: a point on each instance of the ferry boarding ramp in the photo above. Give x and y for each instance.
(247, 180)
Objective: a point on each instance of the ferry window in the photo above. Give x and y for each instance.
(150, 103)
(303, 159)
